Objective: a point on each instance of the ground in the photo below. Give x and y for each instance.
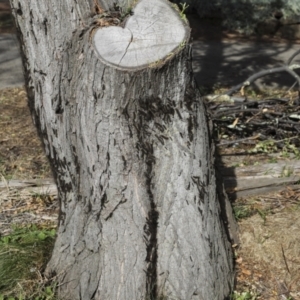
(267, 261)
(268, 257)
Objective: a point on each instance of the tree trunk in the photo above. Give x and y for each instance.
(128, 140)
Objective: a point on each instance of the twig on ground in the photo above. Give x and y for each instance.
(251, 138)
(251, 79)
(286, 68)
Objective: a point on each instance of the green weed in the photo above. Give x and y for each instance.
(242, 212)
(181, 10)
(243, 296)
(289, 149)
(182, 14)
(268, 146)
(23, 256)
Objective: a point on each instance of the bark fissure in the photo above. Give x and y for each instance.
(112, 212)
(151, 242)
(141, 123)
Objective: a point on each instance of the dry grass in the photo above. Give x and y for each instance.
(23, 255)
(269, 257)
(22, 207)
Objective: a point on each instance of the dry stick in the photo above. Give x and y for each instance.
(260, 74)
(254, 138)
(240, 140)
(217, 109)
(284, 258)
(286, 68)
(293, 85)
(287, 139)
(227, 112)
(288, 63)
(292, 57)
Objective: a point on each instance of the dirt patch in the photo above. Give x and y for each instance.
(268, 261)
(270, 255)
(21, 154)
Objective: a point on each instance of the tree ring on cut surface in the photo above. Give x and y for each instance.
(151, 34)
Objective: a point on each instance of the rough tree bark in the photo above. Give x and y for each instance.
(128, 140)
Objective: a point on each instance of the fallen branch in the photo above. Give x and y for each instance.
(239, 181)
(287, 68)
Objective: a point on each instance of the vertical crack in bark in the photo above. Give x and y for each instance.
(143, 120)
(151, 240)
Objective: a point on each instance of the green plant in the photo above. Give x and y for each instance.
(263, 215)
(287, 171)
(127, 8)
(267, 146)
(23, 256)
(46, 293)
(290, 148)
(181, 11)
(243, 296)
(272, 160)
(184, 7)
(242, 212)
(251, 92)
(182, 44)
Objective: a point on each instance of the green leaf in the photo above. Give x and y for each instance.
(42, 236)
(6, 240)
(48, 291)
(52, 233)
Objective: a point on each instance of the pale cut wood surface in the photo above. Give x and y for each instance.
(151, 34)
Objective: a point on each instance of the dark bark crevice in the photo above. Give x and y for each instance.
(143, 119)
(150, 230)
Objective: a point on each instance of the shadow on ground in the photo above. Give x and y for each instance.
(223, 58)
